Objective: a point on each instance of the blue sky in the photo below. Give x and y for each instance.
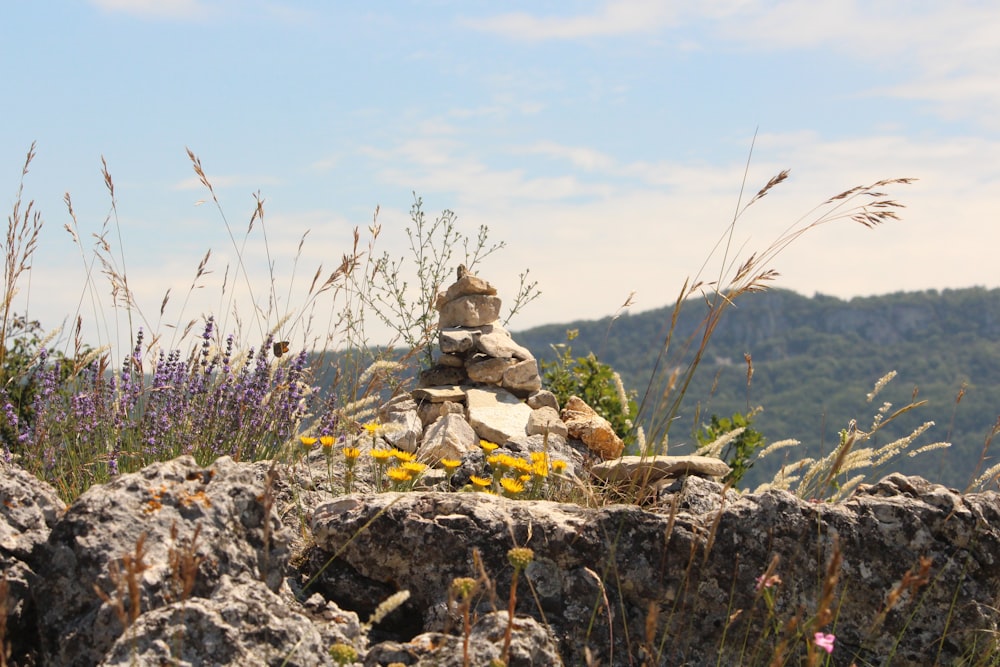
(603, 142)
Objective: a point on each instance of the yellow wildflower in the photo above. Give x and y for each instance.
(327, 441)
(558, 466)
(307, 441)
(381, 455)
(511, 487)
(399, 475)
(450, 464)
(488, 446)
(480, 482)
(413, 467)
(400, 455)
(351, 454)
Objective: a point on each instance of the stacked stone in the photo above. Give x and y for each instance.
(474, 345)
(484, 386)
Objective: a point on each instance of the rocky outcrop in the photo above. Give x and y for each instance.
(236, 564)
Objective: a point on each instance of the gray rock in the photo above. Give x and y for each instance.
(649, 469)
(522, 378)
(163, 508)
(455, 340)
(677, 574)
(543, 398)
(450, 437)
(439, 375)
(466, 285)
(28, 510)
(243, 623)
(546, 420)
(487, 370)
(470, 311)
(403, 429)
(495, 341)
(495, 414)
(451, 361)
(439, 394)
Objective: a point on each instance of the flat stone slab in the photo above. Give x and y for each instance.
(649, 469)
(438, 394)
(496, 414)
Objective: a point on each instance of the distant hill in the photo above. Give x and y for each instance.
(815, 359)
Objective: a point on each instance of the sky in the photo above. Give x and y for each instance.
(605, 144)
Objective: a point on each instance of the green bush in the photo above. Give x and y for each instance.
(593, 381)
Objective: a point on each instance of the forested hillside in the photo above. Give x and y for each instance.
(814, 361)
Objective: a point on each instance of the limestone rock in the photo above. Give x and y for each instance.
(495, 341)
(428, 540)
(28, 509)
(522, 378)
(495, 414)
(162, 507)
(451, 361)
(438, 375)
(439, 394)
(487, 370)
(470, 311)
(595, 431)
(467, 285)
(226, 629)
(546, 420)
(542, 398)
(455, 340)
(431, 412)
(403, 430)
(450, 437)
(650, 469)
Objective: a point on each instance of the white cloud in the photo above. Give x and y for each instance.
(154, 9)
(618, 17)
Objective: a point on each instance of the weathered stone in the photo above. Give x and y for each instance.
(403, 430)
(436, 376)
(649, 469)
(438, 394)
(241, 624)
(217, 514)
(396, 404)
(28, 509)
(546, 420)
(450, 437)
(700, 557)
(595, 431)
(467, 285)
(451, 360)
(470, 311)
(487, 370)
(495, 341)
(495, 414)
(522, 378)
(541, 399)
(454, 340)
(431, 412)
(441, 375)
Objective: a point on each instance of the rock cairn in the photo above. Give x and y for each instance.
(485, 386)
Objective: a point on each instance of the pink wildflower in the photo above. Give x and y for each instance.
(824, 641)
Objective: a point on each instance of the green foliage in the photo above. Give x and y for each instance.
(595, 382)
(739, 451)
(815, 356)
